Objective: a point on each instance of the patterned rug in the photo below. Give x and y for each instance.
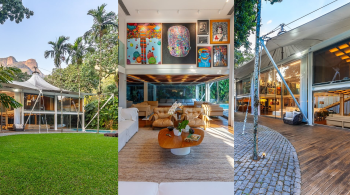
(142, 159)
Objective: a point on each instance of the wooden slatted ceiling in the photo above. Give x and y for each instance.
(173, 78)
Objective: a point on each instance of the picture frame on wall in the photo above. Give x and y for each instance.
(204, 56)
(203, 40)
(220, 56)
(220, 31)
(203, 27)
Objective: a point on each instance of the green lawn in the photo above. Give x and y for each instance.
(66, 163)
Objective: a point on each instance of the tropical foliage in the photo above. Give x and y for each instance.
(13, 10)
(7, 75)
(92, 65)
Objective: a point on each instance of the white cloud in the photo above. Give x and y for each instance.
(270, 21)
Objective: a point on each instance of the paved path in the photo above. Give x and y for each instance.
(278, 173)
(323, 154)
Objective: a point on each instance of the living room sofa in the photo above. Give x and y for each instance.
(145, 108)
(128, 125)
(175, 188)
(170, 102)
(210, 109)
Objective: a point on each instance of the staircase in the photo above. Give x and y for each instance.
(336, 103)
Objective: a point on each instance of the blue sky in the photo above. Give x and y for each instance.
(28, 39)
(289, 10)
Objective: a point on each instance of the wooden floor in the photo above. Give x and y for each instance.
(323, 152)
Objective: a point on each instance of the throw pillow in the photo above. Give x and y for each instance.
(120, 117)
(130, 114)
(289, 114)
(295, 113)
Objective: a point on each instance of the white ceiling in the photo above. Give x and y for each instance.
(178, 9)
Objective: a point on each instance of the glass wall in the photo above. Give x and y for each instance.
(150, 91)
(243, 104)
(201, 92)
(46, 102)
(43, 119)
(246, 86)
(332, 63)
(70, 104)
(275, 99)
(176, 92)
(134, 92)
(332, 108)
(69, 121)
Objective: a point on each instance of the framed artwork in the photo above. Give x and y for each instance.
(144, 43)
(203, 27)
(270, 90)
(203, 40)
(204, 57)
(220, 55)
(219, 31)
(179, 43)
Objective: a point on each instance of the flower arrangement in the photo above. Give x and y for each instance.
(173, 108)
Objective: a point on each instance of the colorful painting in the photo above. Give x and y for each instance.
(144, 43)
(203, 27)
(220, 31)
(220, 56)
(179, 41)
(203, 40)
(204, 57)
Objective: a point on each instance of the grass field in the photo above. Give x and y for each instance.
(66, 163)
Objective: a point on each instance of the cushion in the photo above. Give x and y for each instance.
(162, 101)
(195, 122)
(143, 103)
(19, 126)
(163, 122)
(120, 117)
(290, 119)
(137, 188)
(289, 114)
(295, 113)
(130, 114)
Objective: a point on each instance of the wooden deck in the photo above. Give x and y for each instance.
(323, 152)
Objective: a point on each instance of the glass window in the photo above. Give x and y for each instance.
(46, 102)
(332, 63)
(178, 92)
(246, 86)
(135, 92)
(43, 119)
(69, 121)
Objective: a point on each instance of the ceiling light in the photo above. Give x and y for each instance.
(344, 57)
(348, 60)
(339, 53)
(333, 50)
(226, 1)
(298, 54)
(343, 46)
(347, 51)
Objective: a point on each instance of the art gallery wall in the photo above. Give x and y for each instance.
(176, 68)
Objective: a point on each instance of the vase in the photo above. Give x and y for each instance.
(187, 129)
(177, 132)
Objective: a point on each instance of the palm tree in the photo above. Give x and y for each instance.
(59, 50)
(76, 55)
(103, 23)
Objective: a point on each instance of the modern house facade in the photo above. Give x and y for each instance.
(42, 106)
(315, 62)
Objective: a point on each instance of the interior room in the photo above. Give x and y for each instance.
(175, 68)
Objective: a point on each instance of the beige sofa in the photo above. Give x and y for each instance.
(210, 109)
(146, 108)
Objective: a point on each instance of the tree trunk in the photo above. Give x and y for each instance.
(79, 100)
(99, 87)
(256, 81)
(61, 102)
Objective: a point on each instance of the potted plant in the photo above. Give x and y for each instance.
(180, 127)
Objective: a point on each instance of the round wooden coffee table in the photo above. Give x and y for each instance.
(176, 144)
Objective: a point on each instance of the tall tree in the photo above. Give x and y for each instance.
(76, 55)
(59, 51)
(103, 22)
(13, 10)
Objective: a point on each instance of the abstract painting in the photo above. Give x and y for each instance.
(204, 57)
(144, 43)
(179, 43)
(220, 56)
(219, 31)
(203, 27)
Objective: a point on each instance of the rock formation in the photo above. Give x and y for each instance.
(25, 66)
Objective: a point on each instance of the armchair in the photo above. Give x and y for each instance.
(293, 118)
(161, 118)
(195, 117)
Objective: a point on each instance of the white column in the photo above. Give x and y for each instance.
(207, 92)
(122, 90)
(83, 116)
(231, 75)
(197, 92)
(303, 85)
(154, 92)
(17, 111)
(145, 91)
(309, 91)
(56, 115)
(22, 113)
